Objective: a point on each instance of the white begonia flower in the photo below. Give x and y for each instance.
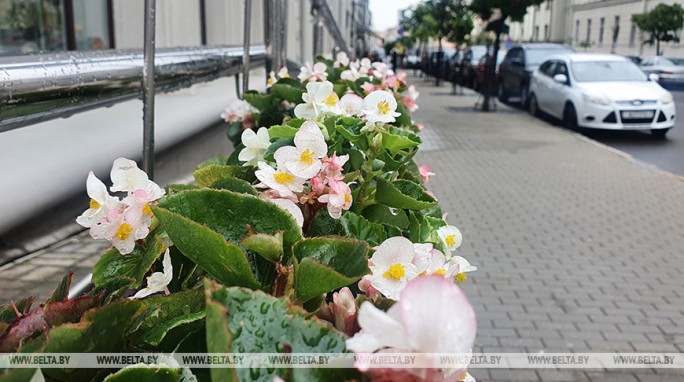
(341, 60)
(351, 74)
(320, 97)
(432, 316)
(119, 231)
(279, 180)
(352, 105)
(315, 73)
(451, 237)
(292, 208)
(127, 177)
(100, 202)
(392, 266)
(463, 267)
(304, 159)
(365, 66)
(381, 70)
(255, 146)
(237, 111)
(438, 265)
(158, 281)
(380, 106)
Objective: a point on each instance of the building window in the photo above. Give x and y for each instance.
(588, 39)
(30, 26)
(632, 35)
(536, 33)
(602, 27)
(616, 31)
(577, 31)
(548, 5)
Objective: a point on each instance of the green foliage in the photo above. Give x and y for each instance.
(134, 265)
(328, 263)
(210, 174)
(662, 23)
(253, 322)
(403, 194)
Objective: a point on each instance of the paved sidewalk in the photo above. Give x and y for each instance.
(579, 249)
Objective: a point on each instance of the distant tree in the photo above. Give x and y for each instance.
(662, 23)
(439, 19)
(496, 13)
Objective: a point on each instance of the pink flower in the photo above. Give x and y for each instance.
(332, 166)
(420, 127)
(368, 87)
(315, 73)
(341, 312)
(432, 316)
(318, 184)
(409, 99)
(425, 173)
(237, 111)
(352, 105)
(339, 198)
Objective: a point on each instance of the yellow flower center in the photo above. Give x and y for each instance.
(307, 157)
(331, 100)
(395, 271)
(440, 271)
(283, 177)
(94, 204)
(147, 210)
(461, 277)
(450, 240)
(347, 198)
(124, 231)
(269, 81)
(383, 107)
(286, 75)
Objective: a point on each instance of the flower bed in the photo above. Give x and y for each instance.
(316, 236)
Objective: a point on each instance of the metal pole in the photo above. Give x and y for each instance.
(276, 32)
(284, 7)
(148, 90)
(318, 35)
(245, 45)
(268, 41)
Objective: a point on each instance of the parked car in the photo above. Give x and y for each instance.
(471, 57)
(411, 61)
(601, 91)
(437, 62)
(634, 59)
(480, 70)
(453, 67)
(670, 70)
(521, 61)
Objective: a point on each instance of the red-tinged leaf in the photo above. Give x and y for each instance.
(62, 291)
(57, 313)
(21, 329)
(7, 313)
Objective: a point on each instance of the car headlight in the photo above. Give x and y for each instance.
(597, 100)
(666, 98)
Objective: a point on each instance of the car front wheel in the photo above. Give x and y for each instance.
(570, 117)
(533, 107)
(659, 133)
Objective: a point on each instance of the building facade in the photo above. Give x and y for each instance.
(592, 25)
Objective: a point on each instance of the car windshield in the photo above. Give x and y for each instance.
(597, 71)
(537, 56)
(672, 61)
(478, 52)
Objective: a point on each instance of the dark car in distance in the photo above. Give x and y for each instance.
(516, 69)
(471, 58)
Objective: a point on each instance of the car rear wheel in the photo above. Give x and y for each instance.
(570, 117)
(659, 133)
(524, 96)
(503, 97)
(533, 107)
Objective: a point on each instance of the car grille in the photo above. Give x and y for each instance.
(637, 102)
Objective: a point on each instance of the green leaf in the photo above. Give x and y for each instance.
(210, 174)
(147, 373)
(358, 227)
(288, 92)
(280, 142)
(405, 118)
(219, 159)
(259, 323)
(324, 225)
(269, 247)
(223, 260)
(328, 263)
(262, 102)
(100, 330)
(172, 189)
(62, 291)
(403, 194)
(295, 122)
(234, 215)
(235, 185)
(175, 310)
(395, 142)
(282, 131)
(113, 289)
(134, 265)
(379, 213)
(219, 336)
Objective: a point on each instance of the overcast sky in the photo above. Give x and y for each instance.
(386, 12)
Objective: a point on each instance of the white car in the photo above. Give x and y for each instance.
(601, 91)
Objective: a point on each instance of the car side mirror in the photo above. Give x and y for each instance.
(561, 78)
(653, 77)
